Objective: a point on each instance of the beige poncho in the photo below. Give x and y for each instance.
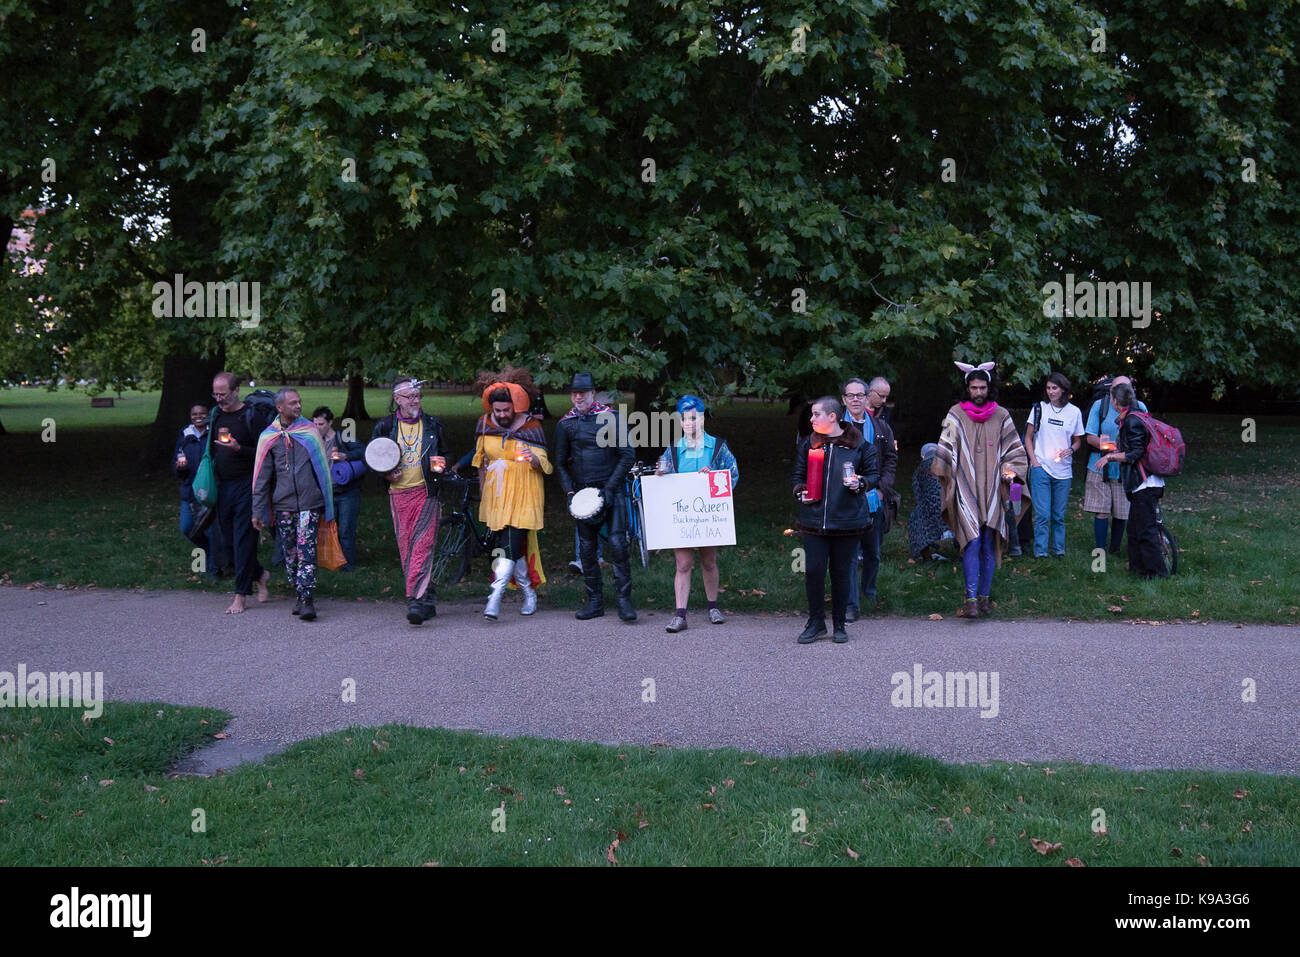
(969, 464)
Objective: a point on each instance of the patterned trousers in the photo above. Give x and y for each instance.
(298, 536)
(415, 525)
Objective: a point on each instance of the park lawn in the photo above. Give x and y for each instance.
(78, 794)
(87, 519)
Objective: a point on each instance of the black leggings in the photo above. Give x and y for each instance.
(839, 551)
(514, 541)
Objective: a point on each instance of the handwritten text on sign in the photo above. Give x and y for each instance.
(688, 510)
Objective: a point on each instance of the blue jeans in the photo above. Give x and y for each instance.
(1049, 495)
(347, 506)
(869, 557)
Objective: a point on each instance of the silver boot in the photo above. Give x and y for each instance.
(526, 586)
(501, 569)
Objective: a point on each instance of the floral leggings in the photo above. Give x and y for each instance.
(297, 532)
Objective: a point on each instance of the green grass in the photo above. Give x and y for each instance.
(86, 519)
(406, 796)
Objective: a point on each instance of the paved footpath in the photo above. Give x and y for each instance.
(1134, 696)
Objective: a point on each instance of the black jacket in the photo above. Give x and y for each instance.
(582, 462)
(842, 510)
(433, 442)
(193, 446)
(886, 453)
(1133, 441)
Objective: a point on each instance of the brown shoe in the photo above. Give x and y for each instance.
(985, 606)
(970, 609)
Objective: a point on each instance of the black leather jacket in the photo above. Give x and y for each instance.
(582, 462)
(842, 510)
(433, 442)
(1133, 441)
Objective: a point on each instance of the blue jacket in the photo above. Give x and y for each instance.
(193, 445)
(715, 451)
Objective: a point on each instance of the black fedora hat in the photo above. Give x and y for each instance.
(582, 383)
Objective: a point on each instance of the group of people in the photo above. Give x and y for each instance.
(276, 473)
(973, 483)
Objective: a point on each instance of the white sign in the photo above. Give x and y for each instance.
(688, 509)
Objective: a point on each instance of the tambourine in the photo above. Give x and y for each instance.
(383, 455)
(586, 504)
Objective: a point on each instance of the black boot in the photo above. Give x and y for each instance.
(428, 607)
(816, 628)
(414, 611)
(308, 610)
(595, 606)
(840, 634)
(623, 588)
(297, 608)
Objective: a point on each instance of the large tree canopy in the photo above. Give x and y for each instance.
(675, 195)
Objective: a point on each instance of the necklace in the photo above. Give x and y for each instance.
(410, 443)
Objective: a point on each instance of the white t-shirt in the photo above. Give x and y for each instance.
(1056, 430)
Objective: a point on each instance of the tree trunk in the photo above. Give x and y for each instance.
(187, 381)
(355, 408)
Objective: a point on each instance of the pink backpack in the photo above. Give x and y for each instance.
(1165, 451)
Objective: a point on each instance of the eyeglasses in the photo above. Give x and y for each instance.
(855, 395)
(883, 395)
(220, 395)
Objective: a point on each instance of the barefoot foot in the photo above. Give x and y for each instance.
(236, 606)
(263, 593)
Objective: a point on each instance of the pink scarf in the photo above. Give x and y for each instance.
(978, 414)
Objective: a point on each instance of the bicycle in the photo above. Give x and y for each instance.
(636, 509)
(460, 534)
(1168, 543)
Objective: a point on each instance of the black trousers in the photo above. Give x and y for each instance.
(235, 515)
(614, 517)
(1144, 553)
(838, 551)
(514, 541)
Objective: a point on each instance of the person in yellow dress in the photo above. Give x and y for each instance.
(511, 457)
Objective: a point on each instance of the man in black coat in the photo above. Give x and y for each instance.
(591, 451)
(864, 408)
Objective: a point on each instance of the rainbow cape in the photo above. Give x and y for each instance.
(304, 433)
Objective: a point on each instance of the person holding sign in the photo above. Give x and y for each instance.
(696, 451)
(511, 457)
(834, 469)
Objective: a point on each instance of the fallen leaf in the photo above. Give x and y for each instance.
(1176, 852)
(852, 853)
(220, 735)
(1043, 847)
(965, 810)
(150, 787)
(358, 773)
(749, 763)
(1245, 828)
(806, 844)
(936, 617)
(642, 824)
(1075, 862)
(609, 852)
(568, 803)
(462, 769)
(107, 782)
(1239, 794)
(990, 840)
(1115, 608)
(110, 741)
(201, 720)
(1202, 860)
(1024, 764)
(560, 791)
(1184, 805)
(729, 783)
(709, 806)
(1048, 771)
(79, 812)
(429, 864)
(946, 821)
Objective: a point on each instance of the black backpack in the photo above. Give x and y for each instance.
(259, 410)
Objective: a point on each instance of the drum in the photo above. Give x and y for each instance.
(383, 455)
(586, 504)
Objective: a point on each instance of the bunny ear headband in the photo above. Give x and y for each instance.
(968, 370)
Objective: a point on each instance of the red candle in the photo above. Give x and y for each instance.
(816, 460)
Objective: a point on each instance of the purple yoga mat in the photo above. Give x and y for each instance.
(344, 472)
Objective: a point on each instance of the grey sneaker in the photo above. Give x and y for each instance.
(677, 624)
(715, 616)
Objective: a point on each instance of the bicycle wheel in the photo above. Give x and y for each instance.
(639, 511)
(453, 542)
(1168, 549)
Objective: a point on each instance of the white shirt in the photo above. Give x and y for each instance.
(1056, 430)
